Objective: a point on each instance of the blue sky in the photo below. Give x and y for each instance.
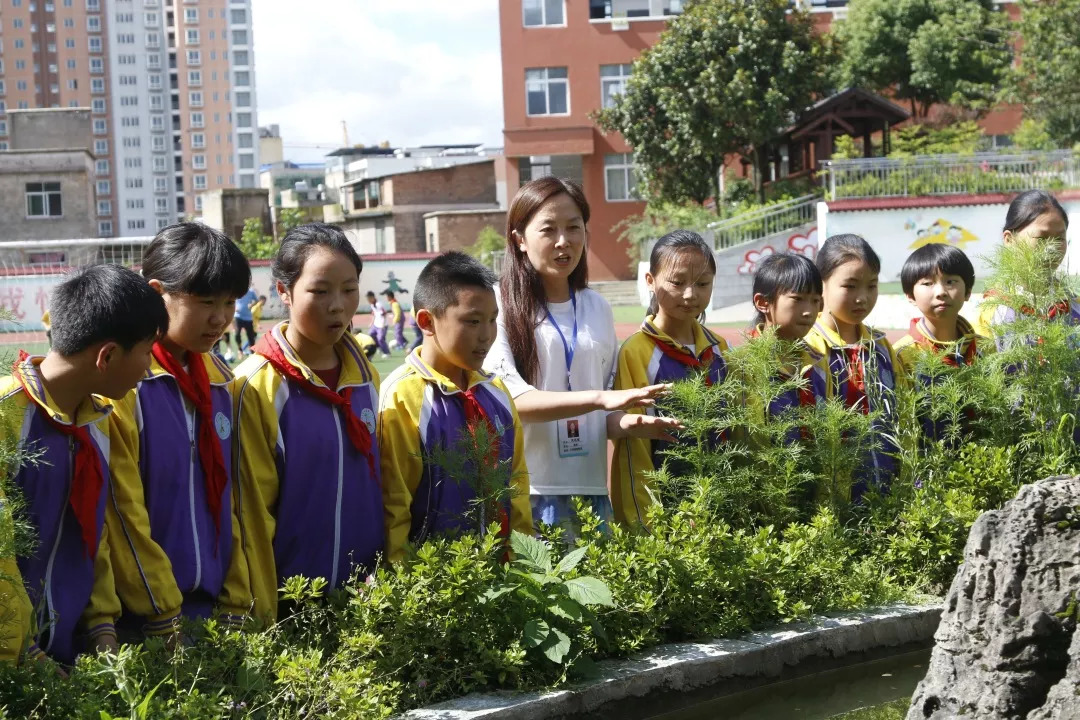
(413, 72)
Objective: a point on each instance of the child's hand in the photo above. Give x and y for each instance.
(649, 427)
(49, 662)
(612, 400)
(106, 643)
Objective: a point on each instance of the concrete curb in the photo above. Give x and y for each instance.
(685, 666)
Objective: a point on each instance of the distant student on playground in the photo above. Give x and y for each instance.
(378, 324)
(861, 362)
(173, 520)
(61, 600)
(307, 460)
(431, 402)
(398, 318)
(671, 345)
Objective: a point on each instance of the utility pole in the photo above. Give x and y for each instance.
(345, 133)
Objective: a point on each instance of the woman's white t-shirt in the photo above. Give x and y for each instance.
(378, 315)
(558, 465)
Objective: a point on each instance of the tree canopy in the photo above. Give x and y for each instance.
(723, 79)
(926, 51)
(1047, 79)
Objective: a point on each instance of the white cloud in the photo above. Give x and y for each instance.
(413, 73)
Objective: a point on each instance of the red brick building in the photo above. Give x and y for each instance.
(563, 60)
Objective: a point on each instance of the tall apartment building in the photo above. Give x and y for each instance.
(170, 84)
(564, 59)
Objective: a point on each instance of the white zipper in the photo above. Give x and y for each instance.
(340, 487)
(56, 546)
(191, 495)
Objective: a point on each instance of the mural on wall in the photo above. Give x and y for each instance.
(800, 244)
(941, 231)
(394, 286)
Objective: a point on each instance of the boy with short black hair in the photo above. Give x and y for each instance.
(435, 398)
(937, 279)
(105, 321)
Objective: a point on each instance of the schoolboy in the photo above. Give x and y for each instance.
(432, 400)
(62, 597)
(938, 279)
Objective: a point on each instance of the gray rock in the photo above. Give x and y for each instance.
(1004, 648)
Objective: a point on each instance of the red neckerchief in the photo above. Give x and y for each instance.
(358, 433)
(1062, 307)
(195, 386)
(705, 361)
(474, 415)
(856, 384)
(87, 479)
(922, 340)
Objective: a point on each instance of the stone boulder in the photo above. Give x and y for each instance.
(1006, 646)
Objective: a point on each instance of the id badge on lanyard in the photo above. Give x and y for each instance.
(570, 434)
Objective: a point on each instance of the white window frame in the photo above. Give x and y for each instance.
(47, 194)
(546, 81)
(543, 7)
(624, 70)
(621, 163)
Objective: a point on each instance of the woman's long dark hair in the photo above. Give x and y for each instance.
(521, 289)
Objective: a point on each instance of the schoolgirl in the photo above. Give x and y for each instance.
(173, 521)
(671, 345)
(861, 362)
(307, 461)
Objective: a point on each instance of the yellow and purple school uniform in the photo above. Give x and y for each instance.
(864, 374)
(812, 368)
(170, 555)
(310, 501)
(956, 352)
(649, 357)
(421, 409)
(994, 315)
(66, 586)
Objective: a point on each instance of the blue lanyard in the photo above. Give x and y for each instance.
(568, 347)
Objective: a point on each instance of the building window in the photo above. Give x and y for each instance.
(161, 205)
(198, 203)
(537, 13)
(195, 98)
(104, 207)
(198, 140)
(613, 83)
(198, 162)
(97, 65)
(43, 200)
(101, 167)
(245, 140)
(97, 85)
(161, 185)
(199, 182)
(157, 143)
(93, 24)
(100, 127)
(97, 105)
(243, 119)
(243, 99)
(247, 162)
(192, 36)
(538, 166)
(238, 16)
(240, 57)
(239, 37)
(194, 57)
(136, 224)
(547, 91)
(157, 123)
(104, 187)
(3, 127)
(154, 79)
(162, 223)
(153, 40)
(191, 15)
(197, 119)
(101, 147)
(620, 177)
(159, 164)
(105, 228)
(194, 78)
(243, 78)
(94, 43)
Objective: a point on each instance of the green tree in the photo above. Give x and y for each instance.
(488, 241)
(1032, 135)
(1045, 79)
(723, 79)
(926, 51)
(289, 218)
(255, 244)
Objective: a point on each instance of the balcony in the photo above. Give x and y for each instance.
(622, 11)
